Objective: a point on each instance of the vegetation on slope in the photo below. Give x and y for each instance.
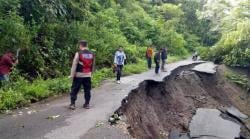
(47, 31)
(233, 47)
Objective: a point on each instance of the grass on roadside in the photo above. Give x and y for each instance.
(172, 59)
(22, 92)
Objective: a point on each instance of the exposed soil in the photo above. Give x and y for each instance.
(155, 108)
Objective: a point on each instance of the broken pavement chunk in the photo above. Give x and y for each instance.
(174, 134)
(235, 112)
(208, 67)
(208, 124)
(184, 137)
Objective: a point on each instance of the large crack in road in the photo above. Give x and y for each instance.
(156, 109)
(186, 104)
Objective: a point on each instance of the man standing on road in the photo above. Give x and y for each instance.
(119, 61)
(81, 71)
(7, 61)
(164, 55)
(149, 55)
(157, 59)
(195, 56)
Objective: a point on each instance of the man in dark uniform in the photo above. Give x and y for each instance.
(81, 72)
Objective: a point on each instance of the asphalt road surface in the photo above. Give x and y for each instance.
(53, 120)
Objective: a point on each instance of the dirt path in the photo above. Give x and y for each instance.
(30, 123)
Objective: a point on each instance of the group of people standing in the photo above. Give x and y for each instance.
(83, 67)
(159, 57)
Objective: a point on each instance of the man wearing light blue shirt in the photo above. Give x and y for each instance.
(119, 61)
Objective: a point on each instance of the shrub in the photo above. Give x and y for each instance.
(135, 69)
(101, 75)
(36, 91)
(13, 33)
(204, 53)
(58, 85)
(11, 99)
(241, 80)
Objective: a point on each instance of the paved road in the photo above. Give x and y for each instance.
(31, 123)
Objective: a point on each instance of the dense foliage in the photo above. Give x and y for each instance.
(233, 48)
(21, 92)
(48, 30)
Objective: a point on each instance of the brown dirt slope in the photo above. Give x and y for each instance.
(155, 108)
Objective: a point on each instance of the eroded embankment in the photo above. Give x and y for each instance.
(155, 108)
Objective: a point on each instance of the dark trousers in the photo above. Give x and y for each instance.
(163, 64)
(3, 77)
(157, 67)
(76, 86)
(3, 80)
(119, 72)
(149, 60)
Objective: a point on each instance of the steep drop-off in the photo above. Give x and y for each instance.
(155, 109)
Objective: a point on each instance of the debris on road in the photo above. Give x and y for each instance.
(31, 112)
(113, 119)
(53, 117)
(99, 124)
(20, 113)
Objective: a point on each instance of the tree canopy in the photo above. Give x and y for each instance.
(48, 30)
(233, 47)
